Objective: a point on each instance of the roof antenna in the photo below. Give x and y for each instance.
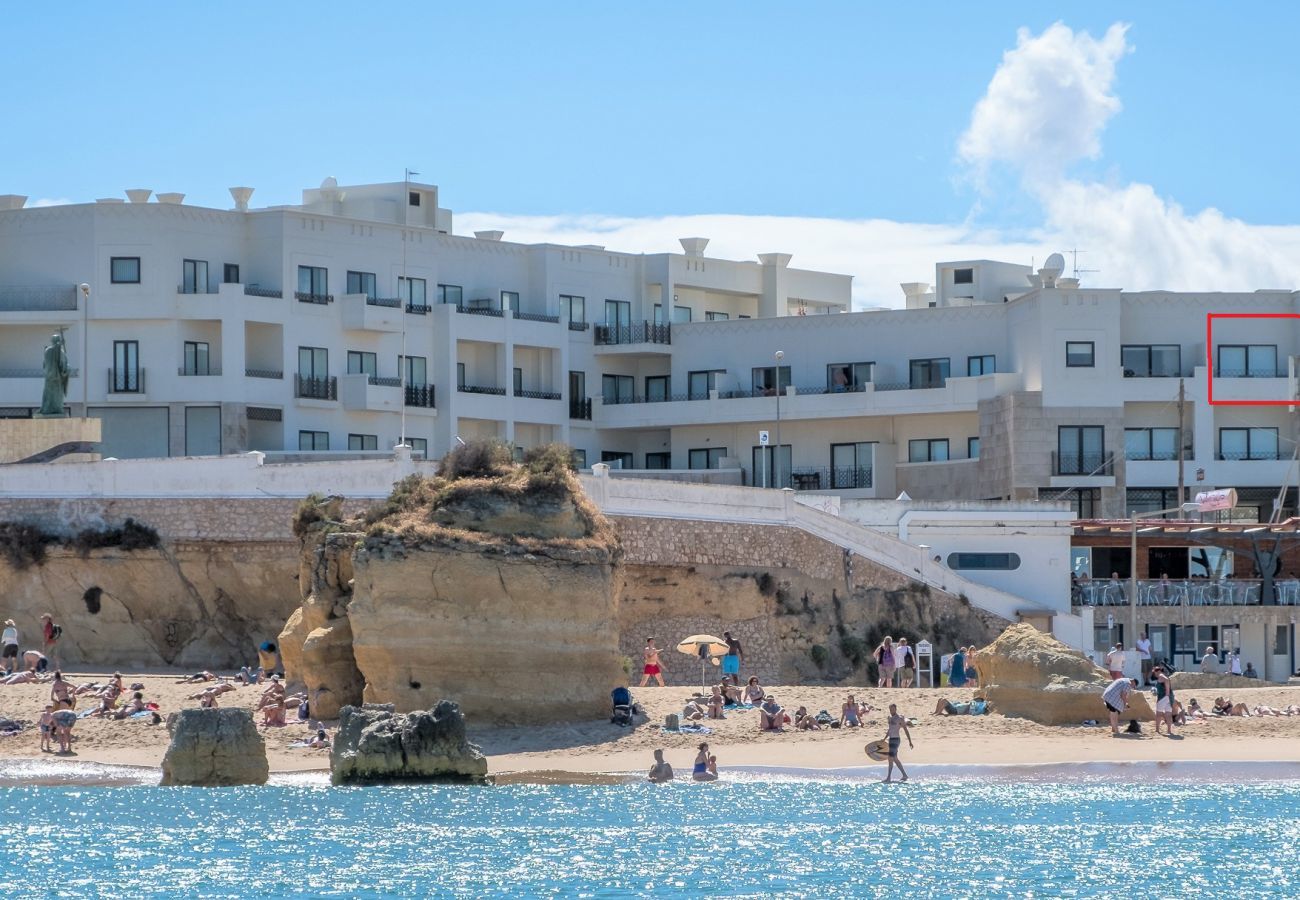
(1075, 265)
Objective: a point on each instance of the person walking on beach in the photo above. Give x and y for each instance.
(885, 662)
(1164, 700)
(9, 643)
(896, 724)
(1144, 656)
(731, 662)
(905, 662)
(1115, 661)
(1116, 699)
(651, 667)
(50, 634)
(957, 668)
(660, 771)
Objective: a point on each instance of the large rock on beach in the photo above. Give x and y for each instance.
(376, 744)
(214, 748)
(1028, 674)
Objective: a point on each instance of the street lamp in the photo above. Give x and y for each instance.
(776, 465)
(85, 342)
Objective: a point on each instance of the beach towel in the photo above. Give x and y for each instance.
(143, 714)
(688, 729)
(87, 712)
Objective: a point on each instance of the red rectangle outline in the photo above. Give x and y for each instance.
(1209, 358)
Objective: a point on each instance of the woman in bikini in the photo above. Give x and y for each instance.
(754, 691)
(61, 692)
(849, 713)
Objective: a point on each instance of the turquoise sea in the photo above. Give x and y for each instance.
(757, 835)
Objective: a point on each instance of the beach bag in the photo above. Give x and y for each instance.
(672, 722)
(56, 632)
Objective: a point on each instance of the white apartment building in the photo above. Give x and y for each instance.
(317, 326)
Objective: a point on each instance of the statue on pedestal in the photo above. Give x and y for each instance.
(56, 379)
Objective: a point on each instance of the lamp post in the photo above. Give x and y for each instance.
(85, 342)
(776, 464)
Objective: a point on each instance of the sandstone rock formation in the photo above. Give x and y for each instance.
(1028, 674)
(316, 643)
(214, 748)
(375, 744)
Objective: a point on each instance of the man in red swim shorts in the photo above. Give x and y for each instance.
(652, 667)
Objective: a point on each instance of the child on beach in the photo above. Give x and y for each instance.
(47, 728)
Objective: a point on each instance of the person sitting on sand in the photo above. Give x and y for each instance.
(134, 705)
(1194, 710)
(771, 715)
(660, 771)
(695, 709)
(1178, 713)
(108, 696)
(273, 713)
(961, 708)
(197, 677)
(730, 694)
(754, 692)
(716, 702)
(805, 721)
(321, 741)
(849, 715)
(701, 770)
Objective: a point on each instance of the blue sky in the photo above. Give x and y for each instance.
(655, 111)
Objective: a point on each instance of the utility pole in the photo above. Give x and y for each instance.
(1182, 498)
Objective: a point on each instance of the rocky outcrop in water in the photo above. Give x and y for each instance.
(375, 744)
(214, 748)
(1028, 674)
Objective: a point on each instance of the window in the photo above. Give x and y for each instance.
(1281, 641)
(361, 362)
(1151, 360)
(972, 448)
(927, 450)
(771, 469)
(963, 276)
(518, 381)
(1080, 449)
(706, 457)
(710, 316)
(851, 465)
(195, 358)
(363, 442)
(1108, 637)
(313, 281)
(617, 388)
(1248, 361)
(980, 365)
(841, 377)
(412, 198)
(1086, 501)
(658, 461)
(618, 312)
(126, 367)
(362, 283)
(419, 446)
(450, 293)
(230, 273)
(1149, 500)
(417, 370)
(764, 380)
(681, 314)
(573, 308)
(616, 460)
(313, 440)
(1080, 354)
(928, 373)
(124, 270)
(579, 459)
(413, 290)
(460, 375)
(656, 388)
(1150, 443)
(194, 276)
(1004, 562)
(510, 300)
(313, 362)
(698, 384)
(1247, 443)
(577, 386)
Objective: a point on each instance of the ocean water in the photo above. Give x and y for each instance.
(757, 835)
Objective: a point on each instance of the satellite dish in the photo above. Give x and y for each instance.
(1052, 269)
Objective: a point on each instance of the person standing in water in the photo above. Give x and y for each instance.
(1164, 700)
(896, 724)
(652, 667)
(661, 771)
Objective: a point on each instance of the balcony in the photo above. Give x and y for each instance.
(635, 333)
(481, 389)
(1186, 592)
(1253, 372)
(420, 395)
(579, 326)
(210, 370)
(1085, 464)
(1247, 456)
(252, 290)
(536, 317)
(38, 299)
(802, 478)
(126, 381)
(418, 309)
(538, 395)
(580, 409)
(480, 311)
(323, 388)
(362, 391)
(362, 313)
(263, 373)
(318, 299)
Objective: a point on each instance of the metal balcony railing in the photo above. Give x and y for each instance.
(619, 400)
(263, 373)
(580, 409)
(481, 389)
(382, 381)
(418, 309)
(480, 311)
(126, 381)
(635, 333)
(536, 317)
(831, 389)
(386, 302)
(319, 299)
(252, 290)
(539, 395)
(324, 388)
(579, 326)
(37, 299)
(1095, 464)
(420, 395)
(1249, 455)
(1158, 455)
(1251, 373)
(843, 478)
(1186, 592)
(210, 370)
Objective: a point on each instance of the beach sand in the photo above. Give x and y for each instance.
(597, 746)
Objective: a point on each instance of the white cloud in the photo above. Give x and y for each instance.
(1046, 106)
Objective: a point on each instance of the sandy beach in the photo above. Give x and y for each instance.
(597, 746)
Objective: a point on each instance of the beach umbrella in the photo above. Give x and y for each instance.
(705, 647)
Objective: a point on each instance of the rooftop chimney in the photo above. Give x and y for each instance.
(489, 235)
(242, 196)
(694, 246)
(139, 195)
(173, 199)
(12, 201)
(780, 260)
